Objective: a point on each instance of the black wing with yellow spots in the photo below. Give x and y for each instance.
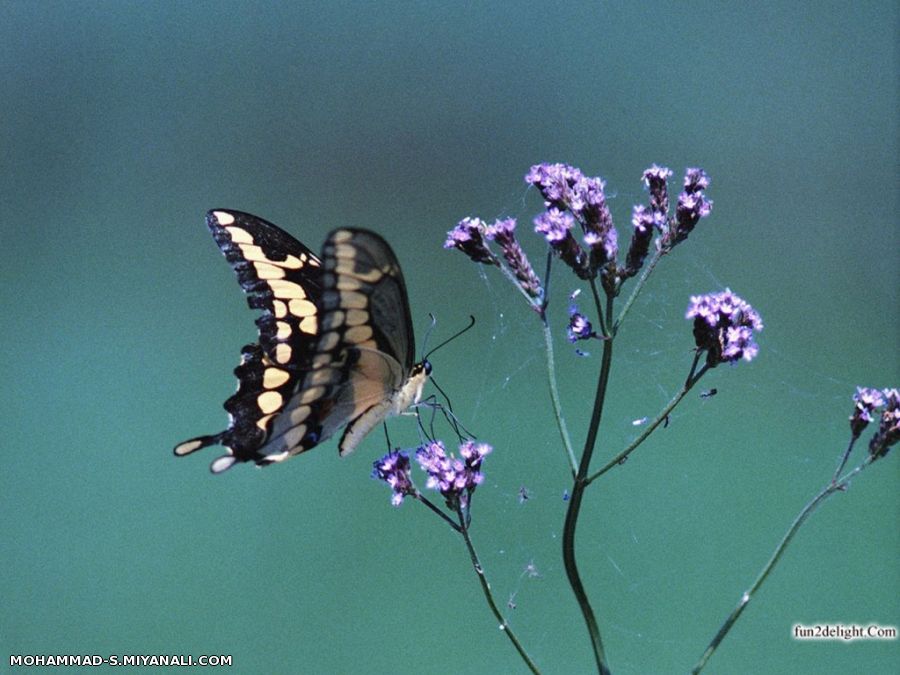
(335, 344)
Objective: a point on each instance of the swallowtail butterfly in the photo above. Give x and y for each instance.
(336, 346)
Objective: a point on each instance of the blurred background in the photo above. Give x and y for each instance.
(121, 123)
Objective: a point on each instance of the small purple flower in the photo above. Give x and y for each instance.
(889, 427)
(556, 226)
(692, 206)
(596, 220)
(454, 477)
(865, 402)
(644, 221)
(468, 237)
(555, 182)
(695, 180)
(503, 232)
(723, 326)
(655, 178)
(580, 327)
(474, 453)
(393, 469)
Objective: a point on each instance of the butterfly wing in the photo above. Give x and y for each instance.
(365, 351)
(282, 278)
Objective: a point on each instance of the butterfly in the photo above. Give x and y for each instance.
(336, 345)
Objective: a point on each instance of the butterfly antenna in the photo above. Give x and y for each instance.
(449, 339)
(428, 332)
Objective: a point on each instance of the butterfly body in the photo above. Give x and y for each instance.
(336, 345)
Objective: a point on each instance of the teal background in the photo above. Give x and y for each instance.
(123, 122)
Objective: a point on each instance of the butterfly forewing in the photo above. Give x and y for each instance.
(282, 278)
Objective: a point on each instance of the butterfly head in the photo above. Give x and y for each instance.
(411, 392)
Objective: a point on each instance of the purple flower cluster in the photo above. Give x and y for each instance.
(556, 226)
(393, 469)
(468, 237)
(656, 179)
(571, 197)
(454, 477)
(645, 222)
(471, 235)
(564, 188)
(503, 233)
(866, 402)
(723, 326)
(692, 206)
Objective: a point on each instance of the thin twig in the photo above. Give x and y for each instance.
(622, 456)
(554, 397)
(489, 596)
(808, 510)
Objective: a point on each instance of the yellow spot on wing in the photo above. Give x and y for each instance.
(310, 325)
(329, 341)
(348, 284)
(300, 413)
(358, 334)
(348, 268)
(286, 289)
(353, 300)
(300, 307)
(311, 394)
(223, 218)
(254, 253)
(239, 236)
(282, 352)
(294, 436)
(284, 330)
(280, 308)
(266, 270)
(274, 377)
(355, 317)
(269, 401)
(188, 447)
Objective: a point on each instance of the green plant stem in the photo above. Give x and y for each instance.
(427, 502)
(489, 596)
(655, 258)
(535, 303)
(622, 456)
(554, 396)
(808, 510)
(574, 509)
(844, 458)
